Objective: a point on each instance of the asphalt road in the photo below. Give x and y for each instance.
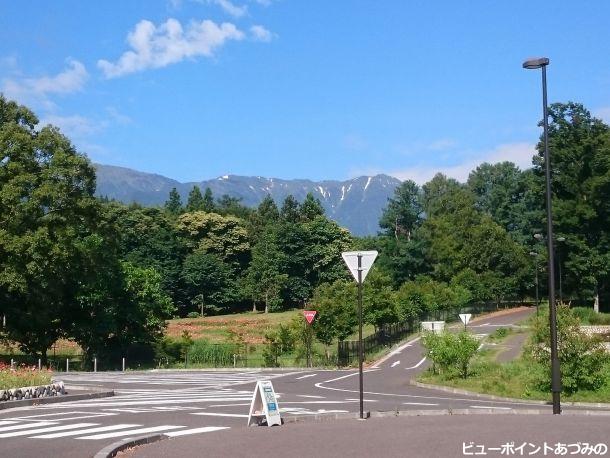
(201, 404)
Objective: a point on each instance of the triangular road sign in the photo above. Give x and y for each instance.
(309, 315)
(465, 317)
(367, 258)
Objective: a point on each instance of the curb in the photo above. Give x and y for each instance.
(490, 411)
(112, 449)
(325, 417)
(55, 399)
(448, 389)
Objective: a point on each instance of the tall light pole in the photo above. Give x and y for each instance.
(560, 239)
(535, 254)
(534, 64)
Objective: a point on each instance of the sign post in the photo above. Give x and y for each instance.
(359, 263)
(309, 316)
(465, 317)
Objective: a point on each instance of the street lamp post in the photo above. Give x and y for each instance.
(560, 239)
(533, 253)
(533, 64)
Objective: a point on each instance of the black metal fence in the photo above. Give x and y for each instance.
(347, 351)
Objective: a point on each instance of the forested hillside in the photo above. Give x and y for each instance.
(107, 275)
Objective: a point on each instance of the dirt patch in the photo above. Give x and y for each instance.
(499, 313)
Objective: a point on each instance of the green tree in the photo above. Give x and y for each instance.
(505, 193)
(211, 284)
(580, 152)
(290, 210)
(195, 200)
(207, 204)
(403, 213)
(311, 208)
(223, 236)
(147, 237)
(47, 214)
(336, 306)
(264, 280)
(174, 204)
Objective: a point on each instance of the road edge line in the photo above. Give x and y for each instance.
(111, 450)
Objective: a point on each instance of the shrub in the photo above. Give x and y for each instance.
(193, 315)
(218, 354)
(589, 316)
(451, 352)
(22, 376)
(499, 334)
(581, 357)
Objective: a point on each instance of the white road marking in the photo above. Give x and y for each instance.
(61, 414)
(205, 429)
(210, 414)
(491, 407)
(230, 405)
(99, 429)
(29, 425)
(45, 429)
(306, 376)
(321, 402)
(7, 422)
(344, 376)
(395, 352)
(417, 365)
(395, 363)
(130, 432)
(306, 396)
(419, 404)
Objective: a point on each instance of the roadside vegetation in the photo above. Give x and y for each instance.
(22, 376)
(585, 365)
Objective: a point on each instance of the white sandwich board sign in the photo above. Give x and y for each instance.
(264, 405)
(367, 258)
(465, 317)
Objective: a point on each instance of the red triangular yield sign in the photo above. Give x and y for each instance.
(309, 315)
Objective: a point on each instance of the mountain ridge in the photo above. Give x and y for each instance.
(356, 203)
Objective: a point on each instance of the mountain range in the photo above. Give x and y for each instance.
(356, 204)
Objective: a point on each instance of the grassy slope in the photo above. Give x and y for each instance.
(514, 379)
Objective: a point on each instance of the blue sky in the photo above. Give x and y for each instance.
(194, 89)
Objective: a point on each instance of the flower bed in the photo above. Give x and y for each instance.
(26, 382)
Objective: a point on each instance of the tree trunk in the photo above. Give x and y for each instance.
(254, 305)
(596, 302)
(266, 303)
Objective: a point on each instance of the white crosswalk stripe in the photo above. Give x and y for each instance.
(99, 429)
(94, 431)
(152, 429)
(205, 429)
(45, 429)
(214, 379)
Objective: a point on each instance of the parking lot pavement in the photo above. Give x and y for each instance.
(423, 436)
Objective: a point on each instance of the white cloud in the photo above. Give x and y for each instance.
(74, 126)
(33, 90)
(118, 117)
(519, 153)
(603, 114)
(259, 33)
(230, 8)
(169, 43)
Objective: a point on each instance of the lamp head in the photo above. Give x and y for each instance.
(535, 63)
